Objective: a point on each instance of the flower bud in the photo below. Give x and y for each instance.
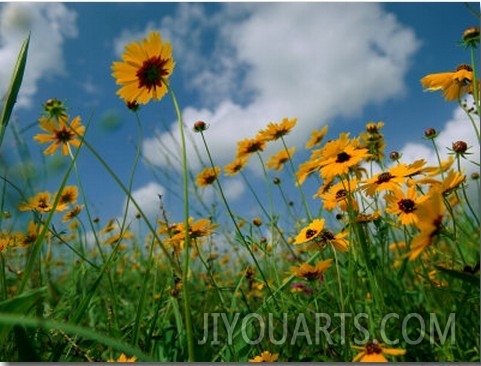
(394, 156)
(460, 147)
(474, 176)
(276, 180)
(471, 36)
(200, 126)
(430, 133)
(257, 221)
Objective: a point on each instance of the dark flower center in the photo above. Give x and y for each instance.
(384, 177)
(343, 157)
(42, 203)
(407, 205)
(373, 347)
(310, 233)
(340, 194)
(151, 73)
(327, 236)
(64, 135)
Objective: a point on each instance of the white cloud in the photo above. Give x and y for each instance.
(49, 25)
(314, 61)
(147, 198)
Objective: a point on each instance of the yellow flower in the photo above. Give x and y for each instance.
(405, 206)
(69, 195)
(235, 166)
(431, 212)
(339, 156)
(339, 195)
(374, 352)
(144, 71)
(453, 84)
(41, 202)
(74, 212)
(373, 140)
(319, 237)
(124, 358)
(30, 237)
(277, 161)
(265, 356)
(392, 179)
(275, 131)
(60, 133)
(309, 272)
(247, 147)
(207, 176)
(316, 137)
(310, 232)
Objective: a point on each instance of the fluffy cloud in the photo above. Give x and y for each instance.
(147, 198)
(49, 24)
(314, 61)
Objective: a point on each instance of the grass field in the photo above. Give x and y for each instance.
(385, 268)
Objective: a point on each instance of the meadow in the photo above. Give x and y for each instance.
(386, 268)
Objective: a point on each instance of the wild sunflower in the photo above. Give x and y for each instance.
(339, 195)
(60, 133)
(74, 212)
(453, 84)
(431, 212)
(265, 356)
(235, 166)
(278, 160)
(405, 206)
(309, 272)
(123, 358)
(247, 147)
(316, 137)
(145, 69)
(340, 155)
(373, 351)
(318, 237)
(41, 202)
(69, 195)
(275, 131)
(207, 176)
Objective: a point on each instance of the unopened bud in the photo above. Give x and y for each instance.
(460, 147)
(200, 126)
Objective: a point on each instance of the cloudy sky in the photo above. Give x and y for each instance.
(238, 67)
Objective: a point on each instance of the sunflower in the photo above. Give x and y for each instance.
(339, 195)
(69, 195)
(60, 133)
(453, 84)
(247, 147)
(373, 351)
(265, 356)
(207, 176)
(318, 237)
(309, 272)
(275, 131)
(431, 210)
(235, 166)
(124, 358)
(339, 156)
(405, 205)
(278, 160)
(316, 137)
(41, 202)
(145, 69)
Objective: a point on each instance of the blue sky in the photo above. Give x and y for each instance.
(238, 67)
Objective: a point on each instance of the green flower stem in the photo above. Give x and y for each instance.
(231, 215)
(299, 186)
(185, 272)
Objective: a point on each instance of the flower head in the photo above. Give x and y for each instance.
(235, 166)
(123, 358)
(278, 160)
(373, 351)
(405, 205)
(316, 137)
(144, 71)
(207, 176)
(453, 84)
(60, 133)
(265, 356)
(275, 131)
(41, 202)
(309, 272)
(247, 147)
(339, 195)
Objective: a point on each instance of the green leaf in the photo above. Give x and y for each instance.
(12, 92)
(20, 305)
